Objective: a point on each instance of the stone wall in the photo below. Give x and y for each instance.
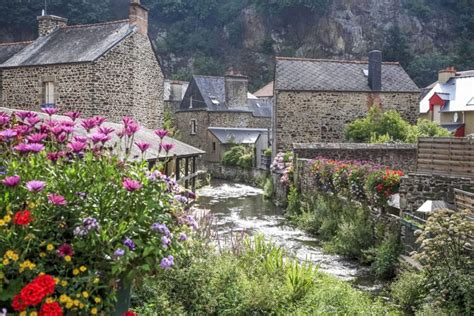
(126, 81)
(237, 174)
(308, 117)
(416, 188)
(396, 156)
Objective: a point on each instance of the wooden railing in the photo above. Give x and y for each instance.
(463, 200)
(446, 155)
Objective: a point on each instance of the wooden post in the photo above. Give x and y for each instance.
(186, 172)
(193, 180)
(177, 169)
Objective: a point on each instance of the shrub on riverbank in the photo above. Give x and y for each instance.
(256, 279)
(239, 155)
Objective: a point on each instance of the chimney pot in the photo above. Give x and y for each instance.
(445, 74)
(138, 16)
(236, 88)
(49, 23)
(375, 70)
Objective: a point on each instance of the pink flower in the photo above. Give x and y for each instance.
(35, 186)
(131, 129)
(35, 147)
(105, 130)
(131, 185)
(22, 148)
(73, 115)
(61, 138)
(56, 130)
(79, 138)
(54, 156)
(37, 137)
(127, 120)
(22, 115)
(89, 123)
(99, 137)
(142, 146)
(8, 133)
(11, 181)
(76, 146)
(65, 250)
(99, 120)
(4, 118)
(50, 111)
(167, 147)
(33, 120)
(57, 199)
(121, 133)
(21, 129)
(161, 133)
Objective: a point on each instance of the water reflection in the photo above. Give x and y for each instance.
(238, 207)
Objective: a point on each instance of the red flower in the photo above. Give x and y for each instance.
(65, 250)
(130, 313)
(17, 304)
(50, 309)
(379, 187)
(46, 282)
(32, 294)
(22, 218)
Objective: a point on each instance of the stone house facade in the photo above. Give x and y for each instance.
(108, 69)
(218, 102)
(315, 99)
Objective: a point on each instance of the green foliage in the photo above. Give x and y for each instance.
(268, 188)
(389, 126)
(396, 46)
(240, 155)
(267, 152)
(386, 257)
(257, 280)
(278, 6)
(408, 290)
(294, 201)
(447, 256)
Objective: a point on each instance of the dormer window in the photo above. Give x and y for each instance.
(214, 100)
(191, 102)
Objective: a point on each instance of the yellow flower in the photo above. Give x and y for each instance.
(2, 222)
(81, 306)
(63, 283)
(93, 311)
(33, 314)
(63, 298)
(67, 258)
(31, 205)
(50, 247)
(76, 302)
(97, 300)
(42, 254)
(41, 273)
(5, 262)
(85, 294)
(96, 280)
(56, 280)
(22, 314)
(83, 269)
(7, 218)
(69, 304)
(9, 253)
(75, 272)
(49, 300)
(27, 264)
(14, 257)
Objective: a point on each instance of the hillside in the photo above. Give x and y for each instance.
(208, 36)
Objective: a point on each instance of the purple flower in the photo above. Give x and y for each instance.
(4, 118)
(119, 253)
(61, 138)
(167, 147)
(129, 243)
(35, 185)
(131, 129)
(181, 198)
(89, 123)
(8, 133)
(65, 250)
(76, 146)
(105, 130)
(90, 223)
(183, 237)
(35, 147)
(166, 242)
(56, 130)
(22, 115)
(161, 133)
(142, 146)
(11, 181)
(37, 137)
(21, 129)
(99, 137)
(57, 199)
(50, 111)
(73, 115)
(99, 120)
(191, 222)
(32, 121)
(131, 185)
(22, 148)
(161, 228)
(79, 138)
(80, 231)
(167, 263)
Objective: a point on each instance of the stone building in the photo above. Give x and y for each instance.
(218, 102)
(314, 99)
(173, 94)
(109, 69)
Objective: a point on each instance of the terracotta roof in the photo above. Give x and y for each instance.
(265, 92)
(7, 50)
(72, 44)
(337, 75)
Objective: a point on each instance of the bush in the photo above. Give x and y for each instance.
(408, 290)
(294, 203)
(241, 156)
(386, 257)
(268, 188)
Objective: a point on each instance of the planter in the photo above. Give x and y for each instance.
(124, 291)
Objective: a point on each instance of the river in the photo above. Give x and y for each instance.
(242, 208)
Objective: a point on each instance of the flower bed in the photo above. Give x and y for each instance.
(358, 180)
(75, 219)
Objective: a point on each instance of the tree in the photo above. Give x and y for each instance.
(396, 47)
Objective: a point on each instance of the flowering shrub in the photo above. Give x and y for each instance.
(75, 218)
(359, 180)
(283, 163)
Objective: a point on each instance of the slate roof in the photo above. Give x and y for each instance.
(212, 87)
(265, 92)
(180, 149)
(7, 50)
(72, 44)
(237, 135)
(333, 75)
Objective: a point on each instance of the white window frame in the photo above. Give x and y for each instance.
(193, 127)
(49, 95)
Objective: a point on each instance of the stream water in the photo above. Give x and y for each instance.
(242, 208)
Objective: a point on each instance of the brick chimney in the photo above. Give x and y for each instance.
(49, 23)
(445, 74)
(138, 16)
(236, 88)
(375, 70)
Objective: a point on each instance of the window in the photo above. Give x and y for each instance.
(191, 102)
(213, 147)
(48, 94)
(193, 127)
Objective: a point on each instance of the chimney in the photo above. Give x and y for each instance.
(445, 74)
(375, 70)
(176, 90)
(138, 16)
(236, 88)
(49, 23)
